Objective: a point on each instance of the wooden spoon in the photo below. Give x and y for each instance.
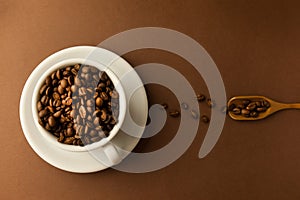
(274, 107)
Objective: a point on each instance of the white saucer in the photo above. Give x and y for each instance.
(85, 162)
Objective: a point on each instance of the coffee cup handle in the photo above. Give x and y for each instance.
(112, 153)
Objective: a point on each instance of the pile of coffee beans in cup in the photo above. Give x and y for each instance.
(78, 104)
(249, 108)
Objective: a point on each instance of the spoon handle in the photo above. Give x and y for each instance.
(292, 106)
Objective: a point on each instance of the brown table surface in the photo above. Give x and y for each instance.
(255, 45)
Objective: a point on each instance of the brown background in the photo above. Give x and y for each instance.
(255, 44)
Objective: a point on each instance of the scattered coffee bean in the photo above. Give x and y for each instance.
(165, 106)
(194, 114)
(184, 106)
(174, 113)
(75, 105)
(204, 119)
(201, 97)
(210, 103)
(224, 109)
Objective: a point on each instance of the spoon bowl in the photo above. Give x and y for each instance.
(274, 107)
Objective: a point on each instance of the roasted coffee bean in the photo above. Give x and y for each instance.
(236, 111)
(86, 130)
(70, 80)
(265, 103)
(48, 91)
(101, 85)
(82, 91)
(43, 113)
(93, 133)
(103, 116)
(96, 113)
(43, 89)
(103, 76)
(51, 121)
(82, 112)
(204, 119)
(258, 103)
(89, 109)
(90, 90)
(47, 127)
(77, 67)
(95, 77)
(253, 114)
(50, 108)
(102, 134)
(224, 109)
(261, 109)
(60, 89)
(41, 122)
(96, 121)
(104, 96)
(54, 83)
(106, 122)
(53, 75)
(39, 106)
(73, 88)
(72, 113)
(251, 106)
(99, 102)
(231, 107)
(56, 96)
(68, 101)
(44, 100)
(165, 106)
(58, 74)
(64, 83)
(195, 115)
(108, 82)
(77, 81)
(210, 103)
(89, 123)
(69, 140)
(184, 106)
(240, 105)
(48, 81)
(175, 113)
(245, 102)
(88, 77)
(66, 73)
(201, 97)
(61, 137)
(85, 69)
(245, 112)
(69, 132)
(113, 121)
(89, 102)
(51, 102)
(114, 94)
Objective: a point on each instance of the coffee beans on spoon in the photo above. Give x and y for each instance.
(78, 104)
(249, 108)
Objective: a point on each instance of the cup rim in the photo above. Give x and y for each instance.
(122, 104)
